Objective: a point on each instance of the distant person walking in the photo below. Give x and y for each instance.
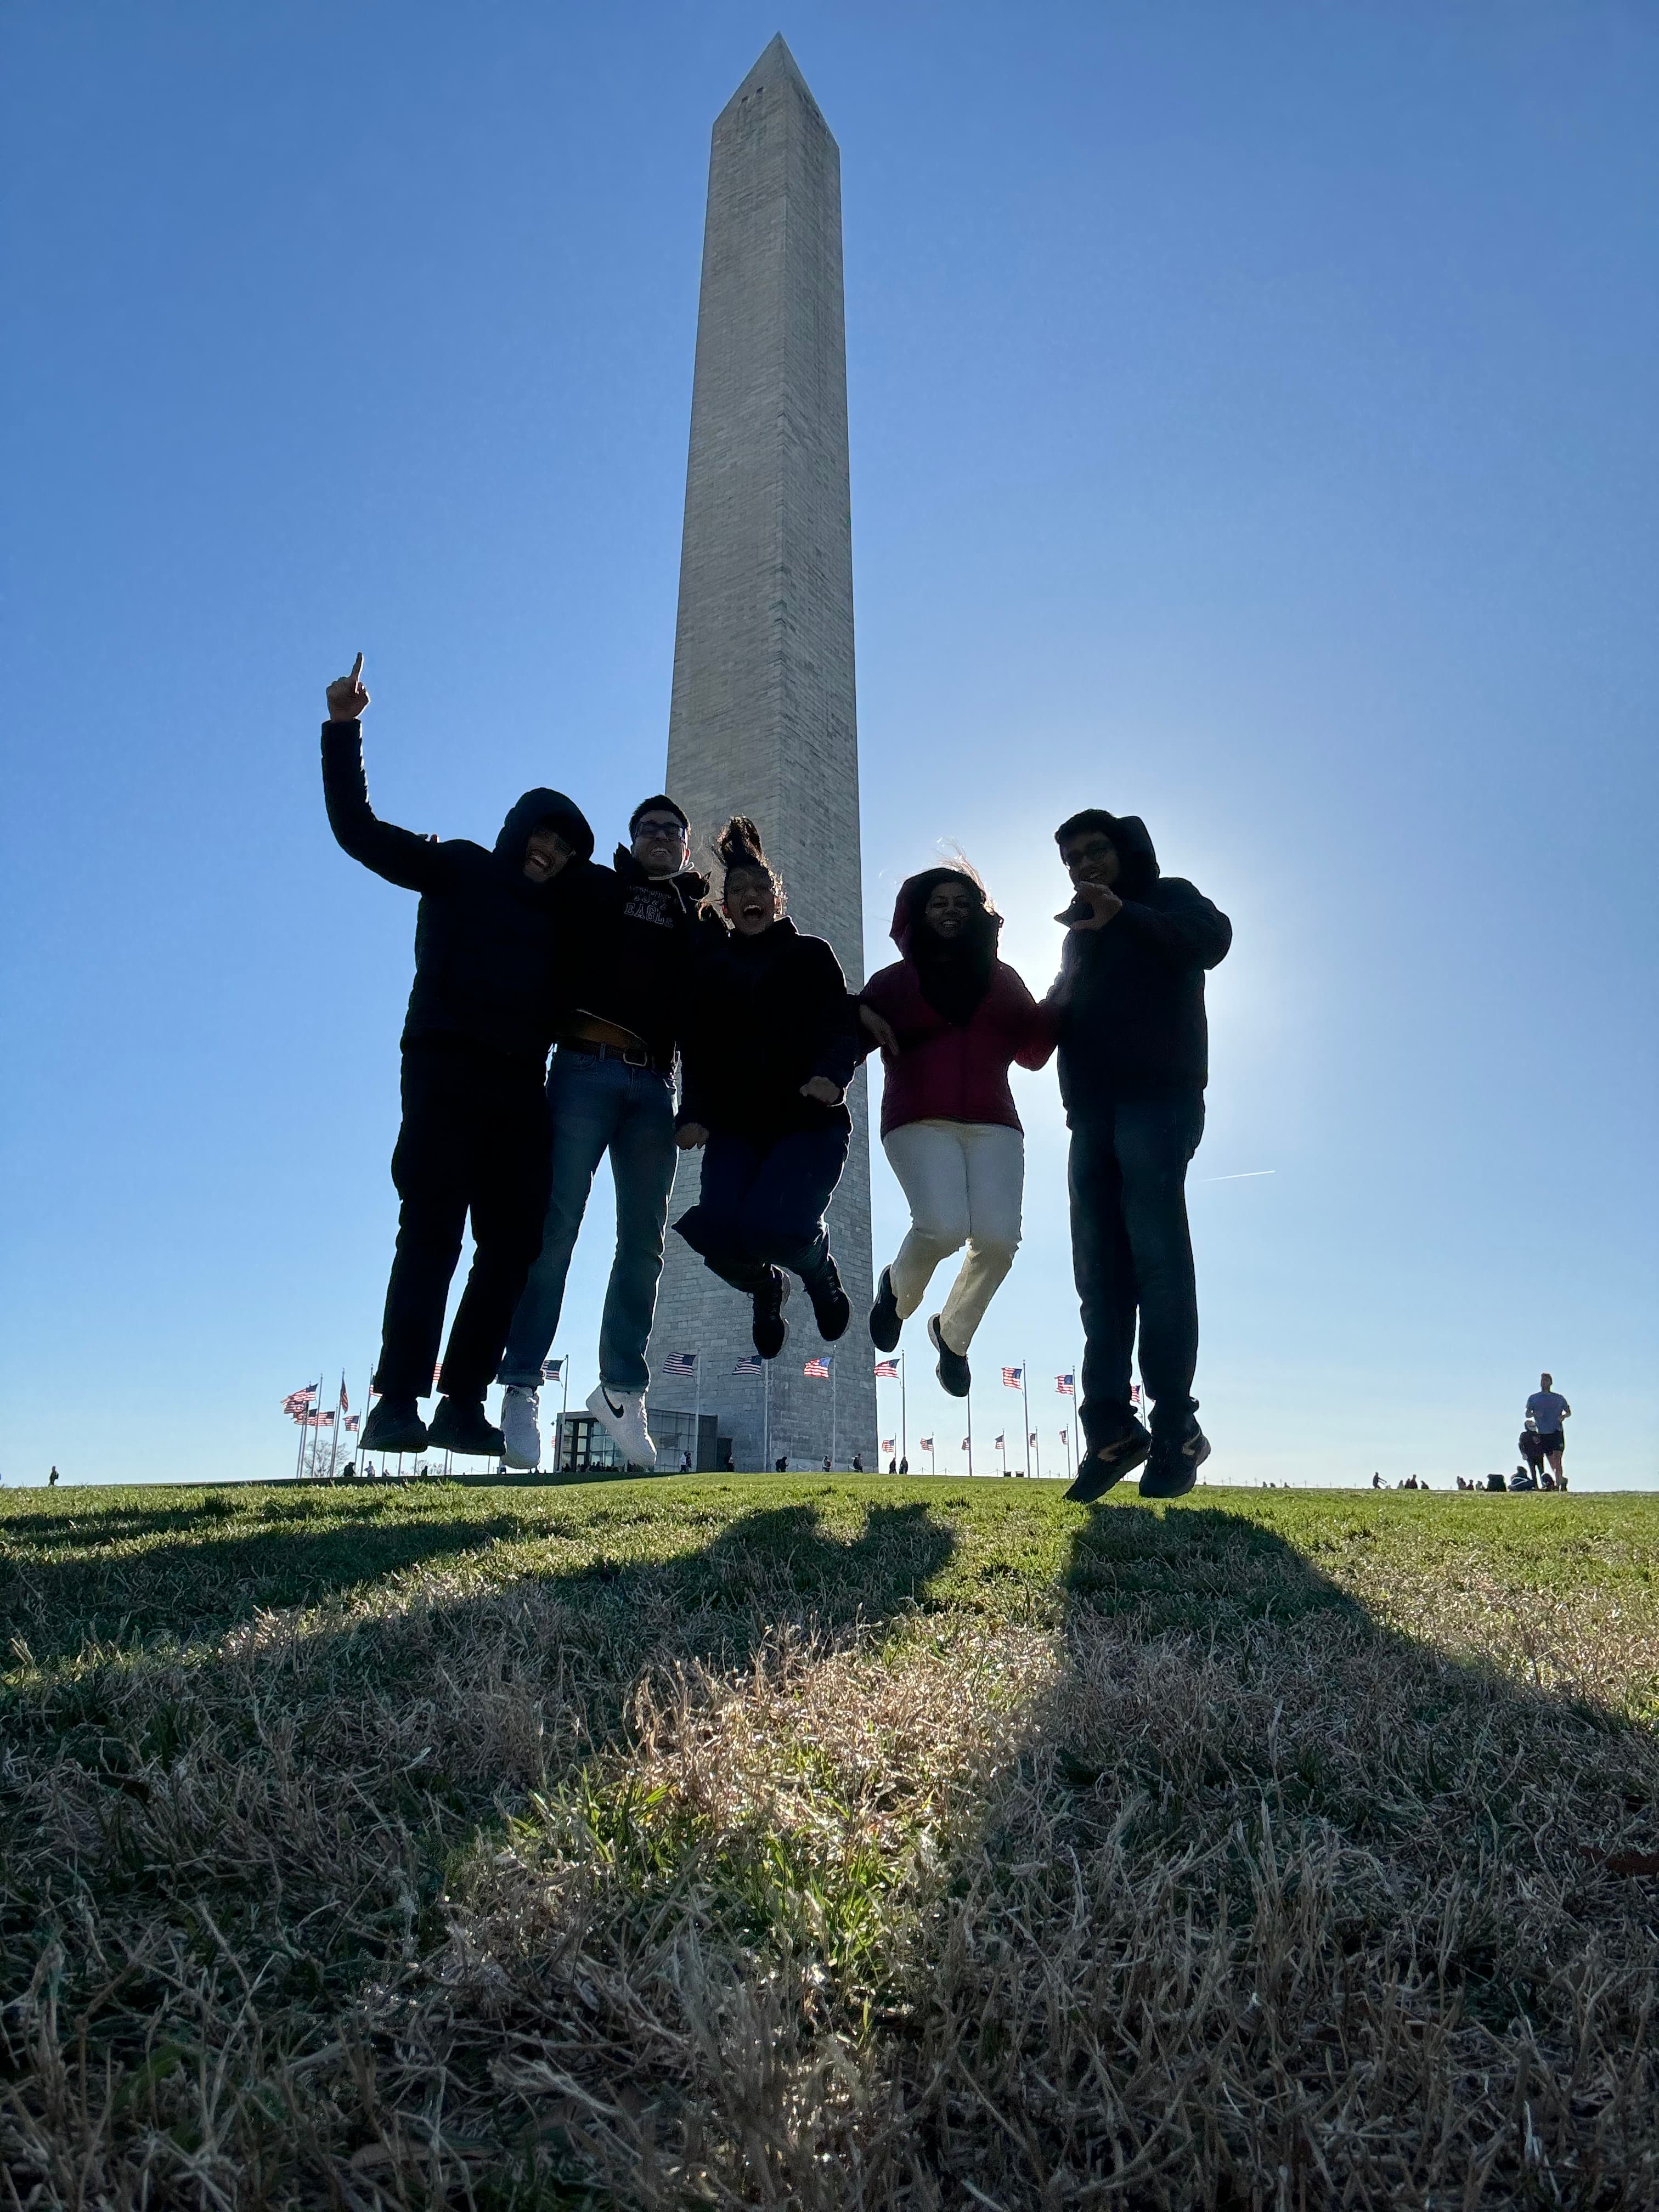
(769, 1043)
(1133, 1063)
(52, 1479)
(1550, 1410)
(492, 949)
(951, 1019)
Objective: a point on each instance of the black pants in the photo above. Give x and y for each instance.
(762, 1205)
(474, 1138)
(1132, 1257)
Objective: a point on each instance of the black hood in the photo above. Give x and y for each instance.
(538, 807)
(692, 886)
(1137, 862)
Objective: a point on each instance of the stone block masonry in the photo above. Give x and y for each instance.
(763, 717)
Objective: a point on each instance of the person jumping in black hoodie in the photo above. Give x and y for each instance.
(611, 1089)
(768, 1053)
(491, 956)
(1133, 1063)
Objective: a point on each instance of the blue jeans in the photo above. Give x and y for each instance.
(595, 1107)
(761, 1206)
(1133, 1255)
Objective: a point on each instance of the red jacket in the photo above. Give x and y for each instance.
(945, 1073)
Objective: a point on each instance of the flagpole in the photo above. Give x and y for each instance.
(317, 1433)
(334, 1441)
(1025, 1404)
(833, 1455)
(904, 1420)
(969, 1403)
(765, 1415)
(298, 1456)
(696, 1418)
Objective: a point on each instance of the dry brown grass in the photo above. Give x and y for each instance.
(887, 1846)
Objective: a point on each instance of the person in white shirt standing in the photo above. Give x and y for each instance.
(1549, 1409)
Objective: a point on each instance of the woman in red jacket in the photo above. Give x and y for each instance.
(950, 1017)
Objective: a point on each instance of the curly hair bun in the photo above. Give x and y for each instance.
(739, 844)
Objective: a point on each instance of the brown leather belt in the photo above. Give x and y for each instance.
(631, 1055)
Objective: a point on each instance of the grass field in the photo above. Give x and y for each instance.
(828, 1843)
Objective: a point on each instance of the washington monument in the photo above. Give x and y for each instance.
(763, 719)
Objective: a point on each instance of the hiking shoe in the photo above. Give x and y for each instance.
(1173, 1468)
(460, 1425)
(394, 1425)
(1108, 1462)
(621, 1413)
(832, 1307)
(521, 1430)
(769, 1328)
(952, 1371)
(885, 1322)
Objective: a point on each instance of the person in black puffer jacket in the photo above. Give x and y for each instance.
(1128, 1008)
(767, 1055)
(492, 980)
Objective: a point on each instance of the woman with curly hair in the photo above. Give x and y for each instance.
(951, 1018)
(770, 1047)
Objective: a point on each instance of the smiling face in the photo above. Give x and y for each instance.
(545, 853)
(659, 844)
(1090, 857)
(750, 901)
(947, 910)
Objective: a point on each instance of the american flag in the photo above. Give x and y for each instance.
(887, 1371)
(354, 1422)
(552, 1369)
(1033, 1437)
(967, 1443)
(680, 1363)
(1065, 1435)
(999, 1445)
(890, 1443)
(1134, 1393)
(926, 1445)
(1066, 1385)
(1013, 1377)
(297, 1401)
(818, 1369)
(750, 1366)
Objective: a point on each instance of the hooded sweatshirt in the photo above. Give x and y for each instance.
(945, 1070)
(636, 936)
(766, 1013)
(1129, 998)
(492, 950)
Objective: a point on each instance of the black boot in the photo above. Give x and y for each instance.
(954, 1377)
(1173, 1468)
(460, 1425)
(832, 1307)
(885, 1322)
(769, 1328)
(394, 1425)
(1109, 1460)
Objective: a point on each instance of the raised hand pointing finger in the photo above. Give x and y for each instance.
(347, 698)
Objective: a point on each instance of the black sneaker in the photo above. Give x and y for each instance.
(1173, 1468)
(769, 1328)
(885, 1322)
(460, 1425)
(394, 1425)
(832, 1307)
(1108, 1462)
(952, 1371)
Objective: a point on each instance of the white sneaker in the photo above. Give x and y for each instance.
(521, 1434)
(623, 1413)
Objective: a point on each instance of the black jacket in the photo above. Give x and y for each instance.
(492, 950)
(1129, 999)
(635, 940)
(766, 1013)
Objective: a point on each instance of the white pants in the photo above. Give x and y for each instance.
(965, 1181)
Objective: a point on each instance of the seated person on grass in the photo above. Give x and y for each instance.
(490, 956)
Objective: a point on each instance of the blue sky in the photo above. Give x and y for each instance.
(1252, 428)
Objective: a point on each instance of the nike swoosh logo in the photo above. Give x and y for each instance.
(605, 1395)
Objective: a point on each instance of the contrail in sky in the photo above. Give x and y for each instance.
(1248, 1174)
